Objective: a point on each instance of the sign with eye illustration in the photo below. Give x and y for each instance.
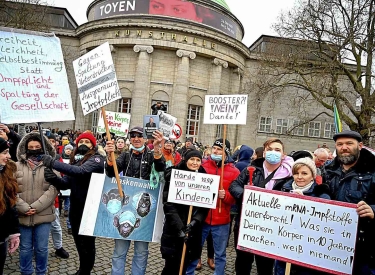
(136, 216)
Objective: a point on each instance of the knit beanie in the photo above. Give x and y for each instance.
(3, 145)
(70, 147)
(219, 143)
(87, 135)
(309, 163)
(192, 153)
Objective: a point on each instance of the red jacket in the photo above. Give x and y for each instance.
(230, 174)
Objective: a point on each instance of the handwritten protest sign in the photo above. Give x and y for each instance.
(315, 233)
(33, 82)
(192, 188)
(118, 123)
(96, 79)
(166, 123)
(137, 216)
(225, 109)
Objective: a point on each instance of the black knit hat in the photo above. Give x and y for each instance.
(219, 143)
(193, 153)
(3, 145)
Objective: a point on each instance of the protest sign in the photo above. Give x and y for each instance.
(225, 109)
(33, 82)
(118, 123)
(192, 188)
(316, 233)
(96, 79)
(166, 123)
(150, 125)
(137, 216)
(176, 132)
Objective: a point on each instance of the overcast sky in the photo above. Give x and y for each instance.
(256, 16)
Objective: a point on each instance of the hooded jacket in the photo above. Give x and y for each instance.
(356, 185)
(34, 191)
(230, 174)
(244, 155)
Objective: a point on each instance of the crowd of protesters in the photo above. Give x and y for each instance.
(33, 174)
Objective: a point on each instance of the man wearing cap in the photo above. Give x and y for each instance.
(218, 220)
(351, 177)
(135, 163)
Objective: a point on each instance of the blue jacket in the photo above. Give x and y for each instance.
(356, 185)
(244, 157)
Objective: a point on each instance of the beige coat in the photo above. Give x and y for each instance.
(34, 191)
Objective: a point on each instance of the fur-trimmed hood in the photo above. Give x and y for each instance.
(21, 149)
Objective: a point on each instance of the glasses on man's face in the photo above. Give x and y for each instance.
(134, 135)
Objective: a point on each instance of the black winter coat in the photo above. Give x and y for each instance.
(77, 178)
(133, 164)
(176, 216)
(8, 222)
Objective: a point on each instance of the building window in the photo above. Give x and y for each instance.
(265, 124)
(314, 129)
(124, 105)
(164, 104)
(298, 128)
(95, 120)
(193, 118)
(281, 126)
(329, 130)
(219, 131)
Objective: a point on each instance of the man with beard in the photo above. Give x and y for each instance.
(351, 177)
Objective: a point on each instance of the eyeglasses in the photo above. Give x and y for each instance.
(134, 135)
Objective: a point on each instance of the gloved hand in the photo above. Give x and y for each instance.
(49, 175)
(181, 234)
(48, 161)
(190, 226)
(13, 243)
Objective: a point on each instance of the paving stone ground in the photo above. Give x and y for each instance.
(104, 250)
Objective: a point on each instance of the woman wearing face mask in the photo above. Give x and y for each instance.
(175, 226)
(84, 161)
(304, 184)
(35, 203)
(271, 172)
(9, 231)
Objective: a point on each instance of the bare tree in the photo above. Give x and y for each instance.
(328, 56)
(25, 14)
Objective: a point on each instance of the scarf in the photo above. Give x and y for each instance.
(168, 156)
(302, 188)
(34, 160)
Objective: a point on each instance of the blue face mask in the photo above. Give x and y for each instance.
(114, 206)
(273, 157)
(216, 157)
(137, 149)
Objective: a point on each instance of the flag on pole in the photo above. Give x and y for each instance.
(336, 115)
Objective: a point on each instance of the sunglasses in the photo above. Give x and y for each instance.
(134, 135)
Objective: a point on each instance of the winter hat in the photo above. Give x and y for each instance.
(70, 147)
(219, 143)
(87, 135)
(193, 153)
(3, 145)
(308, 162)
(302, 154)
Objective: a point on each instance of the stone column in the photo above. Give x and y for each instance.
(179, 106)
(235, 84)
(141, 85)
(209, 134)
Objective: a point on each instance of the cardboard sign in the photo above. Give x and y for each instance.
(33, 82)
(192, 188)
(118, 123)
(138, 216)
(96, 79)
(176, 132)
(150, 125)
(225, 109)
(316, 233)
(166, 124)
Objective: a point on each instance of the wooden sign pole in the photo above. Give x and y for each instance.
(112, 154)
(287, 268)
(184, 248)
(222, 164)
